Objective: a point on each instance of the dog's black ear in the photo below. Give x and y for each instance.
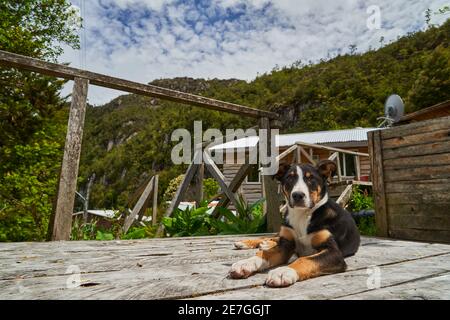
(283, 167)
(327, 169)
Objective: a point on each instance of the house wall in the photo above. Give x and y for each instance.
(253, 191)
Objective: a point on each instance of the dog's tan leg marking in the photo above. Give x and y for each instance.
(328, 260)
(257, 243)
(265, 258)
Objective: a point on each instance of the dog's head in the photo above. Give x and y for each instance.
(304, 185)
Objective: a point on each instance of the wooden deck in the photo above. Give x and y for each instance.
(196, 268)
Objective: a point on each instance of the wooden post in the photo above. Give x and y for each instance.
(198, 184)
(299, 154)
(376, 166)
(338, 162)
(270, 188)
(358, 168)
(86, 198)
(61, 221)
(155, 200)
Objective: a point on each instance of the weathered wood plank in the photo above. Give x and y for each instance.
(418, 173)
(434, 185)
(139, 204)
(418, 161)
(188, 274)
(66, 72)
(376, 168)
(418, 150)
(420, 234)
(416, 128)
(345, 196)
(155, 200)
(428, 287)
(426, 197)
(347, 283)
(61, 220)
(428, 221)
(418, 139)
(269, 186)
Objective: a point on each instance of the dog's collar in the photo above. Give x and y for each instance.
(320, 203)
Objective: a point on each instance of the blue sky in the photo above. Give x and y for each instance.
(142, 40)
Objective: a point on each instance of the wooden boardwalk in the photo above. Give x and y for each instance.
(196, 268)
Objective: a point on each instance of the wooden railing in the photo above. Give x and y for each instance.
(61, 220)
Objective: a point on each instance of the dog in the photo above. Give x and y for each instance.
(319, 231)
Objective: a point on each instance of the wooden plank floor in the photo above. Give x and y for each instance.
(196, 268)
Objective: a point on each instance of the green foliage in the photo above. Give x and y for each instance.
(197, 222)
(189, 222)
(248, 219)
(362, 199)
(210, 188)
(172, 188)
(32, 116)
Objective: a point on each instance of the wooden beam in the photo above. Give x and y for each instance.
(139, 204)
(286, 152)
(358, 168)
(339, 166)
(319, 146)
(180, 191)
(61, 221)
(307, 156)
(219, 177)
(233, 186)
(155, 200)
(345, 196)
(198, 184)
(62, 71)
(376, 165)
(269, 186)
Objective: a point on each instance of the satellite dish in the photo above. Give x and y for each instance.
(394, 108)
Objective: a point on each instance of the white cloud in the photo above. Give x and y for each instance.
(144, 40)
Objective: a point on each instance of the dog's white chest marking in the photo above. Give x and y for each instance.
(299, 220)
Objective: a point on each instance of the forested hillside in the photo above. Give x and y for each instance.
(128, 140)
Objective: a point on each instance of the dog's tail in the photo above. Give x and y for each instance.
(363, 214)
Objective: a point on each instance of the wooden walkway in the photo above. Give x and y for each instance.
(196, 268)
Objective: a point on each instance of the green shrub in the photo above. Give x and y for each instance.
(361, 199)
(210, 188)
(189, 222)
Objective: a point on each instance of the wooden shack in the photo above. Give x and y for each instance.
(354, 139)
(411, 176)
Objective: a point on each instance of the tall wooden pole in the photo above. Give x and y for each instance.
(61, 222)
(270, 188)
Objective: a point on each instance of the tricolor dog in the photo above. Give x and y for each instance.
(316, 229)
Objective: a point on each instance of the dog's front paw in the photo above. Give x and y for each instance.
(247, 267)
(242, 245)
(281, 277)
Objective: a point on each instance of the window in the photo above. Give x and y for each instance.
(348, 168)
(254, 174)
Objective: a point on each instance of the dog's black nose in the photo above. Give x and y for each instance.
(298, 196)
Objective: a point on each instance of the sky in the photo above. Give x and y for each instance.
(143, 40)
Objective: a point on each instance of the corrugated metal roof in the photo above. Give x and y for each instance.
(318, 137)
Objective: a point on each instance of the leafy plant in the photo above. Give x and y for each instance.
(210, 188)
(189, 222)
(249, 218)
(362, 200)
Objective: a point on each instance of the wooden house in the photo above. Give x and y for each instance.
(349, 139)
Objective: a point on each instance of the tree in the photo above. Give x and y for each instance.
(32, 115)
(433, 83)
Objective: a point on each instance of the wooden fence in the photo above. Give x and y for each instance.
(411, 180)
(61, 220)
